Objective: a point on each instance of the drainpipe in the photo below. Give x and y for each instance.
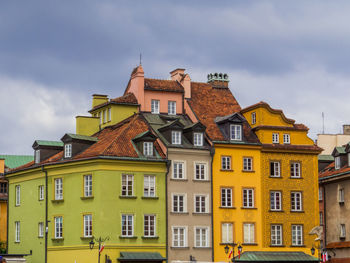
(168, 163)
(324, 216)
(7, 208)
(212, 152)
(46, 210)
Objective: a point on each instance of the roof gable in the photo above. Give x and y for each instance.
(234, 118)
(338, 151)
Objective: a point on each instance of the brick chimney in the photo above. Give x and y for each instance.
(184, 79)
(218, 80)
(346, 129)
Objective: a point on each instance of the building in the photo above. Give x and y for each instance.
(334, 183)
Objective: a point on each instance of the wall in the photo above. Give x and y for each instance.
(329, 141)
(164, 97)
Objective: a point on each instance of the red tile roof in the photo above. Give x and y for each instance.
(163, 85)
(342, 244)
(128, 98)
(300, 127)
(330, 170)
(208, 103)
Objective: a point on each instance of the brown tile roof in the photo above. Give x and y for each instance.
(342, 244)
(163, 85)
(128, 98)
(208, 103)
(313, 148)
(300, 127)
(330, 171)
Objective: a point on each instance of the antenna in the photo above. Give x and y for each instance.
(322, 122)
(140, 59)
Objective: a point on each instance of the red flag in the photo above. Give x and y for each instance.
(101, 248)
(239, 253)
(231, 252)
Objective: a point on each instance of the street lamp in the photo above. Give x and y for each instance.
(313, 250)
(233, 245)
(100, 240)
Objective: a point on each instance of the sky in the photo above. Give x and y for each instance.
(54, 55)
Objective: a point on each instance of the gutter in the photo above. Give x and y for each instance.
(212, 152)
(166, 208)
(46, 211)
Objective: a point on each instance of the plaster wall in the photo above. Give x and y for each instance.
(328, 141)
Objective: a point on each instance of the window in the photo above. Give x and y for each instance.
(88, 185)
(127, 225)
(253, 117)
(198, 139)
(275, 138)
(175, 137)
(100, 116)
(201, 237)
(178, 170)
(127, 184)
(200, 204)
(337, 162)
(58, 189)
(18, 195)
(226, 233)
(179, 203)
(342, 231)
(17, 231)
(286, 138)
(226, 197)
(321, 218)
(249, 233)
(275, 201)
(67, 150)
(172, 107)
(275, 169)
(295, 170)
(109, 114)
(59, 227)
(149, 226)
(200, 171)
(296, 201)
(41, 229)
(149, 186)
(88, 225)
(247, 164)
(37, 156)
(148, 148)
(155, 106)
(236, 132)
(320, 194)
(104, 116)
(248, 198)
(297, 235)
(225, 162)
(276, 235)
(179, 237)
(341, 195)
(3, 188)
(41, 192)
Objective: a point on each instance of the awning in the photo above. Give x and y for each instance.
(141, 256)
(265, 256)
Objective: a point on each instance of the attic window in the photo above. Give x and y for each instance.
(236, 132)
(67, 150)
(37, 156)
(148, 148)
(172, 107)
(253, 117)
(198, 139)
(175, 137)
(337, 162)
(155, 106)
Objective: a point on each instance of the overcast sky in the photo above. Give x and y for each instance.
(55, 54)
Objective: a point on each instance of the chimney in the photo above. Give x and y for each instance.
(346, 129)
(184, 79)
(2, 166)
(98, 99)
(218, 80)
(137, 85)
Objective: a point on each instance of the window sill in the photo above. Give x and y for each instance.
(297, 246)
(277, 246)
(227, 207)
(17, 242)
(179, 247)
(180, 179)
(128, 237)
(55, 239)
(57, 201)
(40, 236)
(249, 244)
(248, 171)
(146, 237)
(179, 213)
(226, 170)
(201, 247)
(201, 180)
(295, 211)
(254, 208)
(127, 197)
(150, 197)
(201, 214)
(278, 211)
(296, 177)
(86, 197)
(276, 177)
(85, 238)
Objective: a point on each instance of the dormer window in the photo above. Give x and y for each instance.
(198, 139)
(286, 138)
(236, 132)
(275, 138)
(176, 137)
(67, 150)
(155, 106)
(37, 156)
(337, 162)
(172, 107)
(148, 148)
(253, 117)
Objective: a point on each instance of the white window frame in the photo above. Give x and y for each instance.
(171, 107)
(200, 171)
(276, 205)
(286, 138)
(276, 169)
(276, 235)
(88, 185)
(198, 139)
(342, 233)
(297, 235)
(126, 222)
(179, 202)
(58, 188)
(87, 218)
(149, 222)
(248, 233)
(127, 183)
(201, 236)
(148, 148)
(41, 229)
(226, 197)
(235, 132)
(337, 162)
(41, 192)
(104, 116)
(226, 163)
(176, 137)
(341, 195)
(37, 156)
(68, 150)
(109, 114)
(155, 106)
(253, 115)
(200, 203)
(247, 164)
(149, 186)
(177, 241)
(58, 227)
(248, 198)
(227, 227)
(100, 117)
(18, 195)
(275, 138)
(179, 170)
(296, 201)
(295, 170)
(17, 231)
